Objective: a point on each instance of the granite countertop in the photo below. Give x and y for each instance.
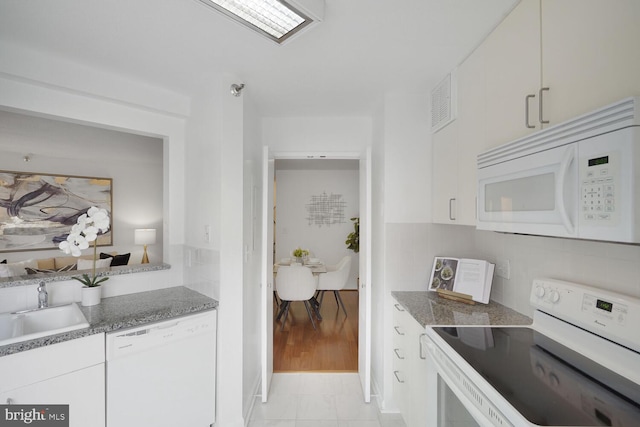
(34, 279)
(430, 310)
(126, 311)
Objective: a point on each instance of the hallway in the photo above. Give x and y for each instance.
(318, 400)
(332, 348)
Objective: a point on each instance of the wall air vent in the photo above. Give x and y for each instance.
(443, 103)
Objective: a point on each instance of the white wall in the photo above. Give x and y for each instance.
(407, 158)
(253, 246)
(377, 289)
(134, 162)
(231, 312)
(294, 189)
(316, 134)
(202, 192)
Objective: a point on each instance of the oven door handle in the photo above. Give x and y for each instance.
(567, 160)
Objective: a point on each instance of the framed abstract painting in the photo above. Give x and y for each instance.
(37, 211)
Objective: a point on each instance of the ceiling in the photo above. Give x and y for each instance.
(343, 66)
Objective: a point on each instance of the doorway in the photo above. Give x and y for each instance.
(364, 270)
(314, 202)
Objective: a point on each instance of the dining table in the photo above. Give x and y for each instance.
(316, 268)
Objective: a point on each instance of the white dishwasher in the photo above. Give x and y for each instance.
(163, 374)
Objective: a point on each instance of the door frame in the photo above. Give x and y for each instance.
(267, 248)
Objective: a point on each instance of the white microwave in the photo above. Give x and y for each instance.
(578, 179)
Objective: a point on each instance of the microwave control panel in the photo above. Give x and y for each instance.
(598, 188)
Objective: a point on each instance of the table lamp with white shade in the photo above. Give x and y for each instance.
(145, 236)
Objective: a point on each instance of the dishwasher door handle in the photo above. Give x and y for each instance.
(167, 326)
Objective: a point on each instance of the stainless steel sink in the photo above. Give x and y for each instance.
(31, 324)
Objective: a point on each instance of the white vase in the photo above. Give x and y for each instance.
(91, 296)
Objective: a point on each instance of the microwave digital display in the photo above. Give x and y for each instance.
(604, 305)
(599, 161)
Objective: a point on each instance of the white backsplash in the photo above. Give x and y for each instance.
(202, 271)
(410, 249)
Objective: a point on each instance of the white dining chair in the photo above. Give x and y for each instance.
(295, 283)
(335, 279)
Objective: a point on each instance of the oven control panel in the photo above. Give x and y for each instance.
(604, 310)
(613, 316)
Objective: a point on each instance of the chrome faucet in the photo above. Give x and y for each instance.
(43, 296)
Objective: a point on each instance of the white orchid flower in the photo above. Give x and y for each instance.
(82, 220)
(65, 247)
(100, 218)
(91, 233)
(81, 243)
(69, 247)
(75, 250)
(86, 230)
(77, 229)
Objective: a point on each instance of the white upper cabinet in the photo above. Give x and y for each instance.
(456, 147)
(590, 54)
(445, 174)
(512, 58)
(472, 133)
(584, 51)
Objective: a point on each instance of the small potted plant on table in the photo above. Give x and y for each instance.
(300, 254)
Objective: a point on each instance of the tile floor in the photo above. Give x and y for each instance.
(318, 400)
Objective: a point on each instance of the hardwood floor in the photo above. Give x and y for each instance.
(332, 348)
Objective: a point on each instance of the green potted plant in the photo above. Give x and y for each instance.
(353, 239)
(299, 254)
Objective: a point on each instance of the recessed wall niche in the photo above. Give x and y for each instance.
(133, 162)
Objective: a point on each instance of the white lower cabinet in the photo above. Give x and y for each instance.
(70, 373)
(409, 368)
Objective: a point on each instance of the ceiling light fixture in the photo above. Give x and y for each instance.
(275, 19)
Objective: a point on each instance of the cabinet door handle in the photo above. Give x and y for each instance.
(540, 106)
(422, 352)
(395, 350)
(398, 330)
(526, 111)
(451, 216)
(397, 377)
(398, 307)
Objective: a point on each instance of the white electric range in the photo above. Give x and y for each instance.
(577, 365)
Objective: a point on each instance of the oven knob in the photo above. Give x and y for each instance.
(554, 296)
(539, 291)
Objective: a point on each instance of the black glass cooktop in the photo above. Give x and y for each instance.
(548, 383)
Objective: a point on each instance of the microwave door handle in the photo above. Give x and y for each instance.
(567, 159)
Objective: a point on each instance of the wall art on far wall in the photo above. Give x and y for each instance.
(37, 211)
(326, 209)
